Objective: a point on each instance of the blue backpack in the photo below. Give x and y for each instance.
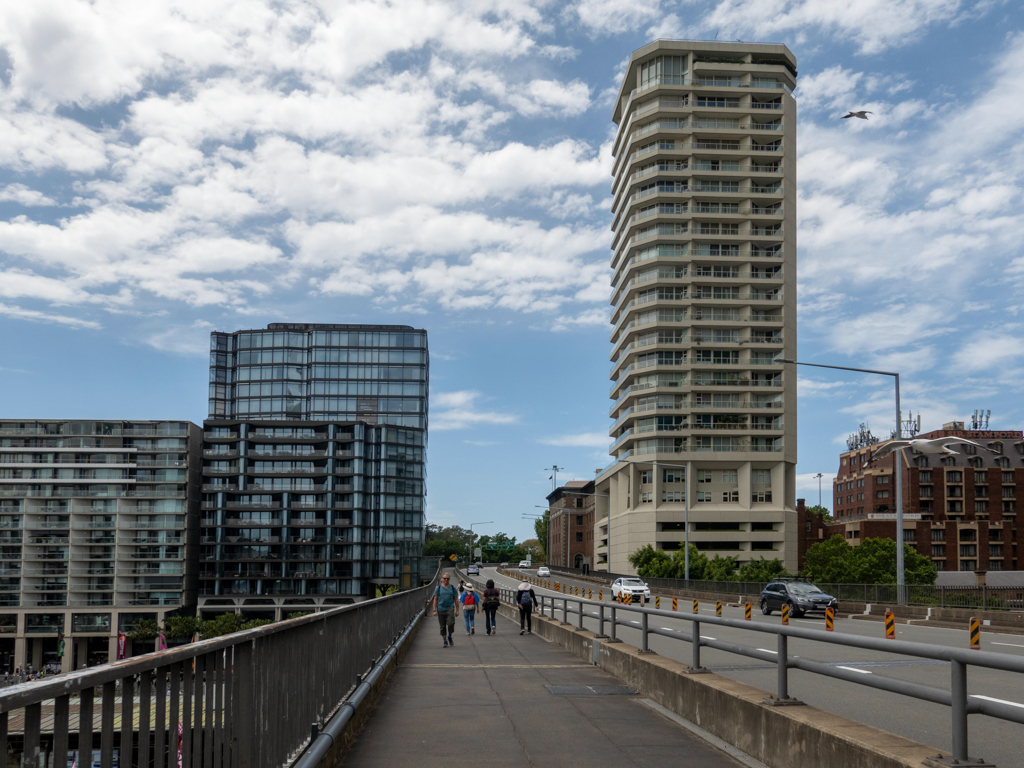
(526, 600)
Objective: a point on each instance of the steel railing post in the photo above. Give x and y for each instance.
(565, 610)
(696, 645)
(613, 624)
(643, 633)
(958, 702)
(783, 668)
(600, 621)
(580, 606)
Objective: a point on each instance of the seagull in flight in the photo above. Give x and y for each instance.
(936, 445)
(863, 114)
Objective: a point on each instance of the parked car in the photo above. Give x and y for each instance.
(524, 563)
(635, 589)
(543, 571)
(801, 596)
(473, 570)
(504, 565)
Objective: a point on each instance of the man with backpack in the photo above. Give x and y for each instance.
(525, 599)
(492, 599)
(446, 608)
(469, 602)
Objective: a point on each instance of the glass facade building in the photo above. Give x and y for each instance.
(314, 465)
(98, 531)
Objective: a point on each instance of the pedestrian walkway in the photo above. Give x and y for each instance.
(485, 701)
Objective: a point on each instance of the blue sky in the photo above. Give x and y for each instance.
(171, 168)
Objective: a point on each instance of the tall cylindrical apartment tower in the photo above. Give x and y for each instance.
(704, 303)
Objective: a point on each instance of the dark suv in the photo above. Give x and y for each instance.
(802, 597)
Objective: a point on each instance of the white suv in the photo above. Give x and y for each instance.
(524, 563)
(634, 589)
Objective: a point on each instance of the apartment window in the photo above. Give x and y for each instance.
(672, 495)
(954, 491)
(704, 496)
(672, 475)
(579, 536)
(703, 475)
(922, 461)
(860, 497)
(860, 483)
(730, 496)
(954, 477)
(980, 478)
(1002, 461)
(759, 497)
(1007, 478)
(975, 461)
(730, 477)
(995, 550)
(995, 534)
(646, 477)
(579, 519)
(938, 534)
(954, 507)
(882, 480)
(968, 534)
(1009, 508)
(926, 477)
(995, 565)
(926, 492)
(981, 505)
(968, 565)
(909, 534)
(881, 494)
(968, 550)
(645, 498)
(938, 550)
(1008, 491)
(996, 446)
(981, 490)
(763, 476)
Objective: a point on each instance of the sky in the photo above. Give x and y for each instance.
(167, 169)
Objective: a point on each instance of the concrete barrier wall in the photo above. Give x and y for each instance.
(779, 736)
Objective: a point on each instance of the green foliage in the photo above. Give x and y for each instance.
(761, 570)
(445, 547)
(224, 624)
(256, 623)
(145, 629)
(656, 564)
(540, 527)
(298, 614)
(451, 533)
(823, 512)
(834, 561)
(177, 627)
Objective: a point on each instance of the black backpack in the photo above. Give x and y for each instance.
(525, 600)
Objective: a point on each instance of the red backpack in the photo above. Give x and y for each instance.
(470, 602)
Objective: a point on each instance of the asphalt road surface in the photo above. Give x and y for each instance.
(995, 740)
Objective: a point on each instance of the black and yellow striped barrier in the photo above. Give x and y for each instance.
(975, 633)
(890, 625)
(718, 608)
(696, 606)
(600, 595)
(675, 604)
(590, 594)
(830, 619)
(657, 601)
(746, 611)
(785, 614)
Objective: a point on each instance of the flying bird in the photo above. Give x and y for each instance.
(936, 445)
(863, 114)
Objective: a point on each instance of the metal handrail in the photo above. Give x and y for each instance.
(226, 691)
(958, 699)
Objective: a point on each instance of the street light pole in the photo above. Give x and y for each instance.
(900, 578)
(819, 476)
(472, 536)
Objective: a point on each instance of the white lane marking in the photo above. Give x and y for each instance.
(855, 669)
(1015, 645)
(767, 651)
(997, 701)
(807, 621)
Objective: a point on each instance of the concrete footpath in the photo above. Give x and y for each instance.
(484, 701)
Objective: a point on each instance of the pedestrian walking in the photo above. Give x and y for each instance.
(525, 599)
(491, 600)
(469, 603)
(446, 608)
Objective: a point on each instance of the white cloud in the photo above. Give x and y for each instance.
(604, 17)
(19, 193)
(458, 410)
(21, 313)
(583, 440)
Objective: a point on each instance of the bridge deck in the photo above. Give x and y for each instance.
(485, 701)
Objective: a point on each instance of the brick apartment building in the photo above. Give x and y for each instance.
(960, 511)
(571, 525)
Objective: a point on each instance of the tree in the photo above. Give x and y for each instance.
(224, 624)
(452, 532)
(656, 564)
(834, 561)
(540, 527)
(179, 627)
(762, 570)
(822, 512)
(446, 547)
(720, 568)
(145, 629)
(533, 546)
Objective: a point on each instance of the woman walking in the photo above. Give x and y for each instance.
(525, 599)
(469, 602)
(492, 599)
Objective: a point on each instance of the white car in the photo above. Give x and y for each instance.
(634, 589)
(524, 563)
(543, 571)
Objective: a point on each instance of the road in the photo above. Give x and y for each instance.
(995, 740)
